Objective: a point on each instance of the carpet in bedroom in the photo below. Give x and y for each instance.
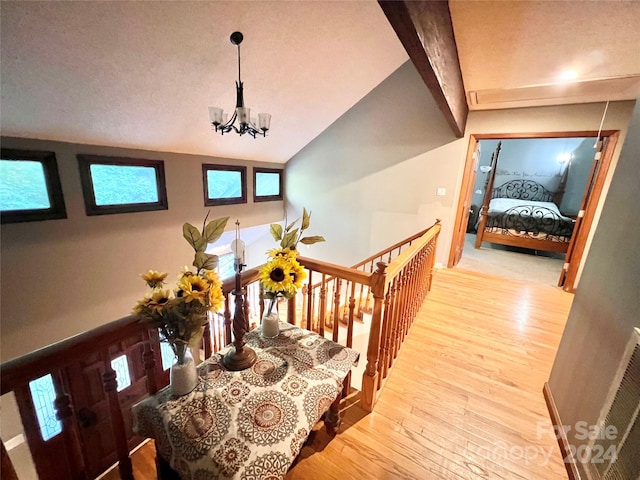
(511, 262)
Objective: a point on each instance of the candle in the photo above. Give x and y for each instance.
(270, 325)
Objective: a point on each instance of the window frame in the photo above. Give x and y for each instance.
(210, 202)
(57, 209)
(84, 164)
(268, 198)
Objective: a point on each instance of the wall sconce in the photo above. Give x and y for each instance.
(485, 168)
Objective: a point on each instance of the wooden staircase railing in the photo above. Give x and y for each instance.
(328, 306)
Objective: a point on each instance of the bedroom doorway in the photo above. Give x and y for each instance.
(583, 204)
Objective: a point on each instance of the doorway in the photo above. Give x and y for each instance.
(554, 172)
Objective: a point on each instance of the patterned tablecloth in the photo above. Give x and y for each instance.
(249, 424)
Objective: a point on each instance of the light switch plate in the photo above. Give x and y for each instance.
(441, 191)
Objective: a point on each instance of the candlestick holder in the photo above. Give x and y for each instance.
(240, 357)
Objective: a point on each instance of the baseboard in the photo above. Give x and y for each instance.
(563, 442)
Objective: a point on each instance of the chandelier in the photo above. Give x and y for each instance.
(242, 115)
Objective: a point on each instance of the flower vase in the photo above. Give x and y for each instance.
(270, 327)
(183, 376)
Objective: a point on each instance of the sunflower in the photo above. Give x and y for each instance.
(194, 288)
(286, 253)
(297, 274)
(159, 300)
(153, 278)
(276, 275)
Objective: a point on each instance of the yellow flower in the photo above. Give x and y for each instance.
(194, 288)
(282, 252)
(159, 300)
(275, 275)
(216, 298)
(153, 278)
(297, 274)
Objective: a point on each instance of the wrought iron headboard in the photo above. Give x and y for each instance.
(523, 190)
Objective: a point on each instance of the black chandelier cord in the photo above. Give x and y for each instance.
(239, 81)
(246, 123)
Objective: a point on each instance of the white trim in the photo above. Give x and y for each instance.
(14, 442)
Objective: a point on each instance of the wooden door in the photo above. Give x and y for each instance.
(590, 199)
(464, 205)
(91, 405)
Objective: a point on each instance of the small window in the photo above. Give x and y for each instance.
(30, 187)
(224, 184)
(43, 395)
(122, 185)
(120, 365)
(267, 184)
(226, 266)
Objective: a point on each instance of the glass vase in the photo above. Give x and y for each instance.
(183, 376)
(270, 327)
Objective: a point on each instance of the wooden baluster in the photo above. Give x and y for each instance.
(149, 363)
(305, 301)
(215, 332)
(407, 301)
(413, 295)
(6, 466)
(323, 305)
(291, 310)
(336, 309)
(391, 315)
(206, 338)
(346, 385)
(387, 320)
(261, 301)
(398, 314)
(432, 262)
(370, 379)
(64, 413)
(110, 385)
(352, 306)
(227, 320)
(310, 304)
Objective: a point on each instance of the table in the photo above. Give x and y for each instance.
(249, 424)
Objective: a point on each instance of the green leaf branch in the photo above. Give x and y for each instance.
(200, 239)
(290, 236)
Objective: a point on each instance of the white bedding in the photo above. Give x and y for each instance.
(501, 205)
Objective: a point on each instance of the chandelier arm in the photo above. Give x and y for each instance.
(246, 125)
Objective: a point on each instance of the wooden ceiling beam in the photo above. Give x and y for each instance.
(426, 32)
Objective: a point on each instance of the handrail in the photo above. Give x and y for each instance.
(401, 261)
(397, 290)
(57, 355)
(393, 247)
(246, 277)
(346, 273)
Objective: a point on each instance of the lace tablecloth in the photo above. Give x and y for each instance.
(249, 424)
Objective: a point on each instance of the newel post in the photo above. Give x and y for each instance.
(370, 379)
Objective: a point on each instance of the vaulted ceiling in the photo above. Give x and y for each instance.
(142, 74)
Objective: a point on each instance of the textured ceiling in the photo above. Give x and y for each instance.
(512, 53)
(141, 74)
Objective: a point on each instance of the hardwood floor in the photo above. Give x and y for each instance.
(463, 399)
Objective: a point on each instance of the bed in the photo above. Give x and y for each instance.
(522, 213)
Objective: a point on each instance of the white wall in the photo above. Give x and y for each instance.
(371, 177)
(63, 277)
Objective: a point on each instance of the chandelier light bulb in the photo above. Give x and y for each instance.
(241, 121)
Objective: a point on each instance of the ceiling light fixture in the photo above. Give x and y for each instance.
(242, 114)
